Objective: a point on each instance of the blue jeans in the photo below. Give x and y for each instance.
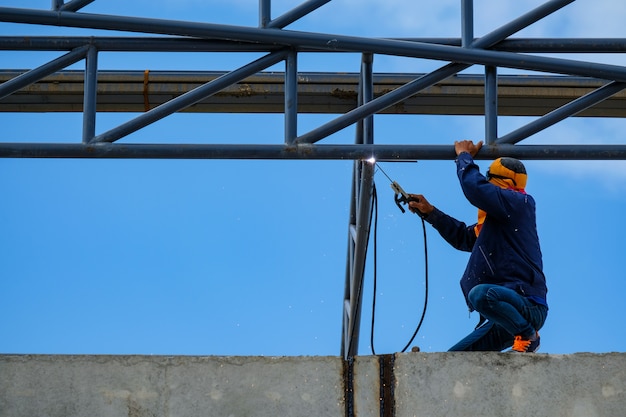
(508, 314)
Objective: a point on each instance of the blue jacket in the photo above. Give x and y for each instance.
(507, 250)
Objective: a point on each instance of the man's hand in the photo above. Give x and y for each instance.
(467, 146)
(418, 204)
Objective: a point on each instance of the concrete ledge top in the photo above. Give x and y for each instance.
(406, 384)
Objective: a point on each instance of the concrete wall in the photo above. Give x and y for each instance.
(411, 384)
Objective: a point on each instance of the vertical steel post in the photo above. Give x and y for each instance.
(362, 192)
(350, 281)
(90, 94)
(57, 4)
(291, 97)
(467, 23)
(265, 13)
(491, 104)
(367, 71)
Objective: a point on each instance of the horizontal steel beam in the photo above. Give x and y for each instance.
(388, 153)
(138, 91)
(182, 44)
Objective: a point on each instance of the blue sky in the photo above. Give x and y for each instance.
(221, 257)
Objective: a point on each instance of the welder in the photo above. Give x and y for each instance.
(504, 280)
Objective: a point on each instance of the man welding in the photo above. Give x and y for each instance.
(504, 279)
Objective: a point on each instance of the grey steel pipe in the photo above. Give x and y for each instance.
(388, 153)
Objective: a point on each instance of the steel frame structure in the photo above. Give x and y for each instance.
(492, 51)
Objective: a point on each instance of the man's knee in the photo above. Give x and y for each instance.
(479, 296)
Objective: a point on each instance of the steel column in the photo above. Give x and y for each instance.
(291, 97)
(467, 23)
(265, 13)
(491, 104)
(90, 95)
(359, 231)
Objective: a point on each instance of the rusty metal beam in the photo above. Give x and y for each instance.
(138, 91)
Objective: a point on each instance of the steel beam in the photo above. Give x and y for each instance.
(387, 153)
(180, 44)
(124, 91)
